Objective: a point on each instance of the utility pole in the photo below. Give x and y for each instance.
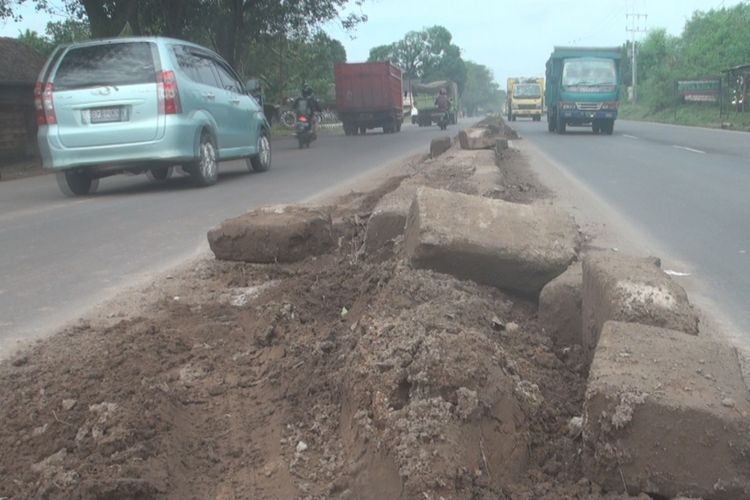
(633, 25)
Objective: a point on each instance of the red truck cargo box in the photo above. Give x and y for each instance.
(368, 87)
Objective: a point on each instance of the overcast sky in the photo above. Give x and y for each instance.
(513, 38)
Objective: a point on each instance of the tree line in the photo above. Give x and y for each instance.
(280, 42)
(711, 42)
(430, 55)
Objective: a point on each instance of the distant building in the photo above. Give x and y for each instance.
(19, 68)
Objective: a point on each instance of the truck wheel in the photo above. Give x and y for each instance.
(595, 128)
(608, 127)
(362, 130)
(550, 123)
(73, 183)
(561, 125)
(398, 126)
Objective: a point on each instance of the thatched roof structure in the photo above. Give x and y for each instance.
(18, 62)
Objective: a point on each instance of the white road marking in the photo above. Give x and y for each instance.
(675, 273)
(685, 148)
(629, 136)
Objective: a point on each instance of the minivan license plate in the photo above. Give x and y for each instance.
(108, 115)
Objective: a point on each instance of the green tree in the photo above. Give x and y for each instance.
(37, 42)
(481, 91)
(70, 30)
(230, 26)
(428, 55)
(284, 64)
(711, 42)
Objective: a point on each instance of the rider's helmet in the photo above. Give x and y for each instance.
(307, 91)
(443, 91)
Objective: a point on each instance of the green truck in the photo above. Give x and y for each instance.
(583, 88)
(424, 95)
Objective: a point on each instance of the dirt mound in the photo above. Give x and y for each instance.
(340, 376)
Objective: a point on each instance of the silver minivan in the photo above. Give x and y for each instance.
(144, 105)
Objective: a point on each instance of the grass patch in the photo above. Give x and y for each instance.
(698, 115)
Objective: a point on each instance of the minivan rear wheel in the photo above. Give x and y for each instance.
(74, 183)
(262, 161)
(205, 171)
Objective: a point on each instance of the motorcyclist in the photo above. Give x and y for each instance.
(307, 104)
(443, 102)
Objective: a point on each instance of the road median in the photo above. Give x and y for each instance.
(421, 338)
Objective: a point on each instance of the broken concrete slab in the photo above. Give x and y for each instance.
(666, 414)
(631, 289)
(477, 138)
(506, 245)
(388, 219)
(470, 172)
(560, 307)
(744, 357)
(274, 234)
(440, 145)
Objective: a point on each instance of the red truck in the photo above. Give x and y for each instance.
(369, 95)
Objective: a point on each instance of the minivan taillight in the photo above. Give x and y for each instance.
(168, 93)
(44, 105)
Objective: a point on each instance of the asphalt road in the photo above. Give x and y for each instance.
(60, 256)
(686, 188)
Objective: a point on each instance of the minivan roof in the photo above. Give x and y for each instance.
(100, 41)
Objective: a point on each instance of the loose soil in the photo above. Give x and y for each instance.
(342, 376)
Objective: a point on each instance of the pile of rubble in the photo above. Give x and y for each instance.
(444, 336)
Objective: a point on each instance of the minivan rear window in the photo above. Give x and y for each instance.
(107, 64)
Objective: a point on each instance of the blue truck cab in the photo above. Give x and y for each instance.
(583, 88)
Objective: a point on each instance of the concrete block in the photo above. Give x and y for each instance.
(274, 234)
(477, 138)
(440, 145)
(666, 414)
(506, 245)
(631, 289)
(560, 307)
(388, 219)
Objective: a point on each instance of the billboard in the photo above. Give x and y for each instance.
(705, 90)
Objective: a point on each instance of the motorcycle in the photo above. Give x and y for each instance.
(305, 130)
(443, 121)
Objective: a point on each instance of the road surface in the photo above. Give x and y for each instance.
(688, 189)
(61, 256)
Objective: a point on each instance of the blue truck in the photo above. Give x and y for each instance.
(583, 88)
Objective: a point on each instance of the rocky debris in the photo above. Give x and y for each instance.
(625, 288)
(274, 234)
(560, 307)
(478, 138)
(470, 172)
(433, 398)
(440, 145)
(510, 246)
(68, 404)
(656, 418)
(744, 358)
(500, 146)
(389, 217)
